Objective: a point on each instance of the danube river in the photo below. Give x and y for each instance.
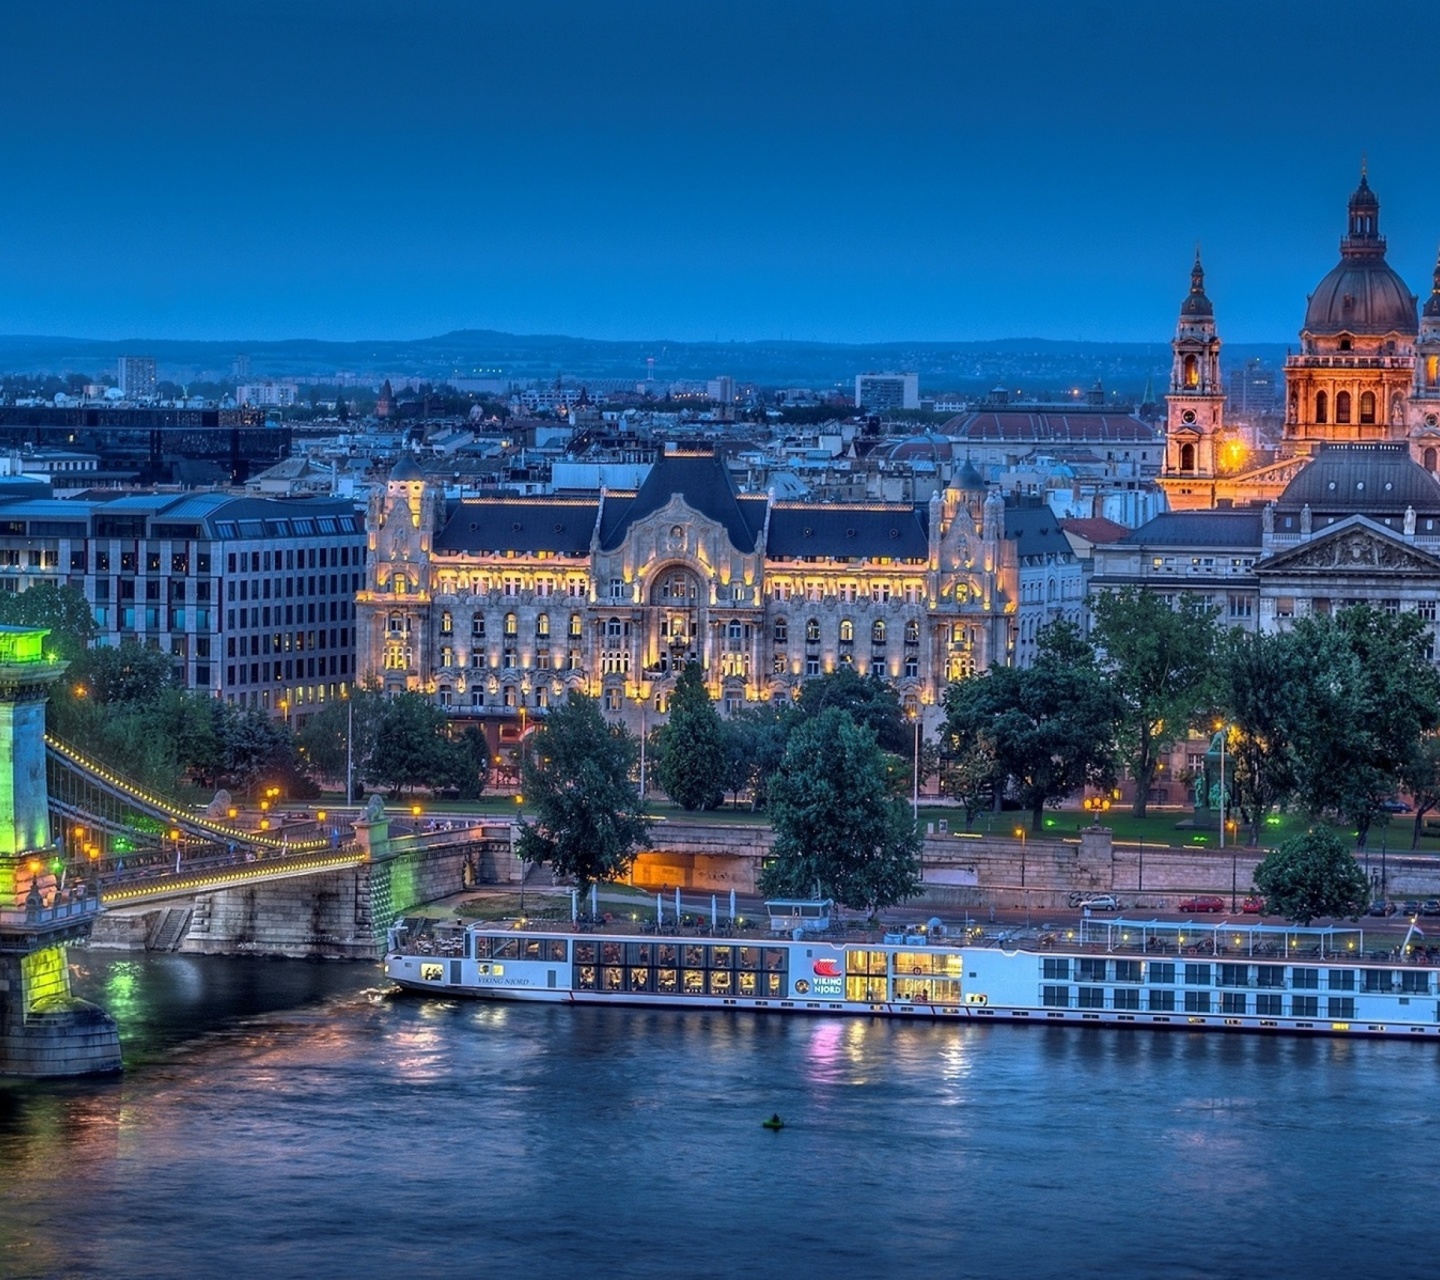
(284, 1119)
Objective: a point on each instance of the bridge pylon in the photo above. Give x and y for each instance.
(44, 1029)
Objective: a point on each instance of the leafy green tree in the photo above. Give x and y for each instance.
(1048, 728)
(1421, 778)
(1312, 875)
(411, 749)
(325, 741)
(840, 828)
(130, 673)
(1160, 659)
(1258, 674)
(256, 749)
(972, 778)
(755, 739)
(63, 610)
(869, 700)
(577, 773)
(1369, 696)
(691, 745)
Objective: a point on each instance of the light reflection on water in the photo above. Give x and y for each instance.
(291, 1120)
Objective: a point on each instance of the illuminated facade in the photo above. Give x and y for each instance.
(495, 605)
(1367, 372)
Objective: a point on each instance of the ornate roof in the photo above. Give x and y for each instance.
(1362, 294)
(1196, 304)
(1350, 479)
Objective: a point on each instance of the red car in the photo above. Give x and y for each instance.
(1253, 906)
(1203, 902)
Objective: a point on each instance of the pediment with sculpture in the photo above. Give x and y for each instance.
(1360, 547)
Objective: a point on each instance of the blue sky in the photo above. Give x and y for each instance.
(748, 169)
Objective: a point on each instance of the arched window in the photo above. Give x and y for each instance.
(812, 631)
(576, 626)
(1367, 406)
(1345, 344)
(735, 631)
(1322, 407)
(399, 584)
(1192, 372)
(542, 626)
(847, 631)
(1432, 370)
(1187, 457)
(613, 629)
(396, 625)
(782, 631)
(512, 625)
(1342, 406)
(912, 632)
(877, 632)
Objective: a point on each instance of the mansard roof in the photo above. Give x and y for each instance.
(1239, 529)
(488, 525)
(1035, 530)
(856, 530)
(704, 484)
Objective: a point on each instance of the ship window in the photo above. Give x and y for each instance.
(1055, 997)
(1053, 969)
(1092, 997)
(1197, 1001)
(665, 981)
(506, 949)
(640, 979)
(1162, 1001)
(1270, 975)
(1126, 999)
(1305, 1006)
(1234, 1002)
(721, 982)
(1197, 975)
(693, 981)
(1342, 979)
(1342, 1007)
(1127, 971)
(749, 957)
(585, 977)
(1267, 1006)
(1305, 979)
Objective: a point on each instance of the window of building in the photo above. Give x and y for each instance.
(782, 631)
(877, 632)
(1342, 406)
(812, 631)
(847, 631)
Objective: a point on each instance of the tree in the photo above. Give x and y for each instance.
(755, 739)
(576, 771)
(1312, 875)
(411, 749)
(691, 745)
(972, 777)
(130, 673)
(869, 700)
(1421, 778)
(841, 831)
(1257, 676)
(344, 731)
(1369, 696)
(1160, 660)
(1048, 728)
(64, 611)
(256, 749)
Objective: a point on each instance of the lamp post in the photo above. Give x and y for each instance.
(915, 774)
(1025, 893)
(349, 749)
(1224, 733)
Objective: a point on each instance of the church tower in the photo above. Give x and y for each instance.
(1195, 402)
(1425, 395)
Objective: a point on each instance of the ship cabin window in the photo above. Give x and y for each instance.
(672, 968)
(1162, 972)
(509, 947)
(926, 977)
(866, 976)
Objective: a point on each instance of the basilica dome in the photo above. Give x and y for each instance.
(1362, 294)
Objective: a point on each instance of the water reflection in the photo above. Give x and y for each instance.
(295, 1120)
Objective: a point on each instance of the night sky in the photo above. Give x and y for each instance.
(730, 169)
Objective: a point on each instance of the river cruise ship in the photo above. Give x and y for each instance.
(1117, 972)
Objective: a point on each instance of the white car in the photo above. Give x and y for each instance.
(1100, 902)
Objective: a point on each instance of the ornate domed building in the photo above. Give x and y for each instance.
(1367, 371)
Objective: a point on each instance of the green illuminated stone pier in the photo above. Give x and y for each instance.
(44, 1030)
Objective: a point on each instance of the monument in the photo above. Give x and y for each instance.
(44, 1029)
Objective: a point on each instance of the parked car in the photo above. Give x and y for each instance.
(1430, 907)
(1395, 806)
(1381, 907)
(1253, 906)
(1203, 902)
(1411, 907)
(1101, 902)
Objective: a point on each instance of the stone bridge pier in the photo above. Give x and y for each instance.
(344, 914)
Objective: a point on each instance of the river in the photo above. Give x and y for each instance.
(284, 1119)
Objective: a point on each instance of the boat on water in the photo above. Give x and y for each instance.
(1210, 976)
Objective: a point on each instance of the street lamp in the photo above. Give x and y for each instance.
(1224, 731)
(1096, 805)
(915, 773)
(1020, 831)
(349, 748)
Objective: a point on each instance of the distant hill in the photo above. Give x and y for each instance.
(1035, 365)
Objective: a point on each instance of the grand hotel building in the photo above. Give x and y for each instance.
(497, 605)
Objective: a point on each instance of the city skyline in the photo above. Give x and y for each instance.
(834, 172)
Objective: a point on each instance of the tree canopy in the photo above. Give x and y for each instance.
(840, 828)
(1312, 875)
(1160, 660)
(576, 771)
(64, 611)
(870, 701)
(690, 747)
(1048, 728)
